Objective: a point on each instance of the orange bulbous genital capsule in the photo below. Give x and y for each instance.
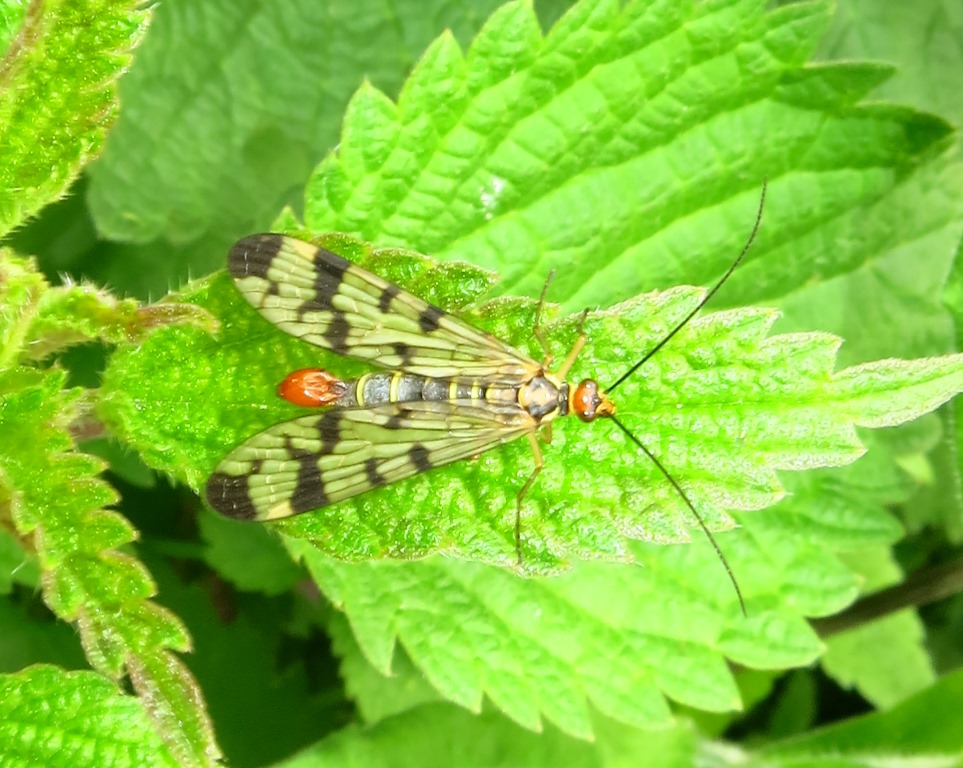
(311, 388)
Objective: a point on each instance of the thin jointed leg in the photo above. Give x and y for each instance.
(576, 348)
(539, 463)
(537, 327)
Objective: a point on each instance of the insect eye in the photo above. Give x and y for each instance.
(586, 400)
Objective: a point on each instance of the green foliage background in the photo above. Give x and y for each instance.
(621, 144)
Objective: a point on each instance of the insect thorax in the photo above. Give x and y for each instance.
(544, 397)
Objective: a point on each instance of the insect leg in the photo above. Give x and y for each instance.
(539, 463)
(537, 327)
(562, 372)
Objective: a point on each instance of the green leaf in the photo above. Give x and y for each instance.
(265, 678)
(55, 319)
(439, 735)
(54, 718)
(549, 160)
(42, 322)
(924, 728)
(954, 299)
(923, 37)
(56, 503)
(296, 65)
(891, 392)
(58, 97)
(887, 304)
(616, 639)
(376, 695)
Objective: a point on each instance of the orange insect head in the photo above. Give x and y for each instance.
(587, 402)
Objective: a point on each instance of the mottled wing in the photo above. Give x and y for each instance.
(326, 300)
(316, 460)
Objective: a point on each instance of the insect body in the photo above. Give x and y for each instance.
(457, 391)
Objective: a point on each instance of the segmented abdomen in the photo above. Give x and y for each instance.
(398, 387)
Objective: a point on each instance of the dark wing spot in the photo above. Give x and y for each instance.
(384, 303)
(227, 494)
(419, 457)
(336, 332)
(403, 351)
(395, 422)
(428, 319)
(328, 275)
(309, 489)
(252, 255)
(329, 428)
(329, 271)
(371, 472)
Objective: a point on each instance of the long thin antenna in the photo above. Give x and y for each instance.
(652, 457)
(705, 299)
(685, 498)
